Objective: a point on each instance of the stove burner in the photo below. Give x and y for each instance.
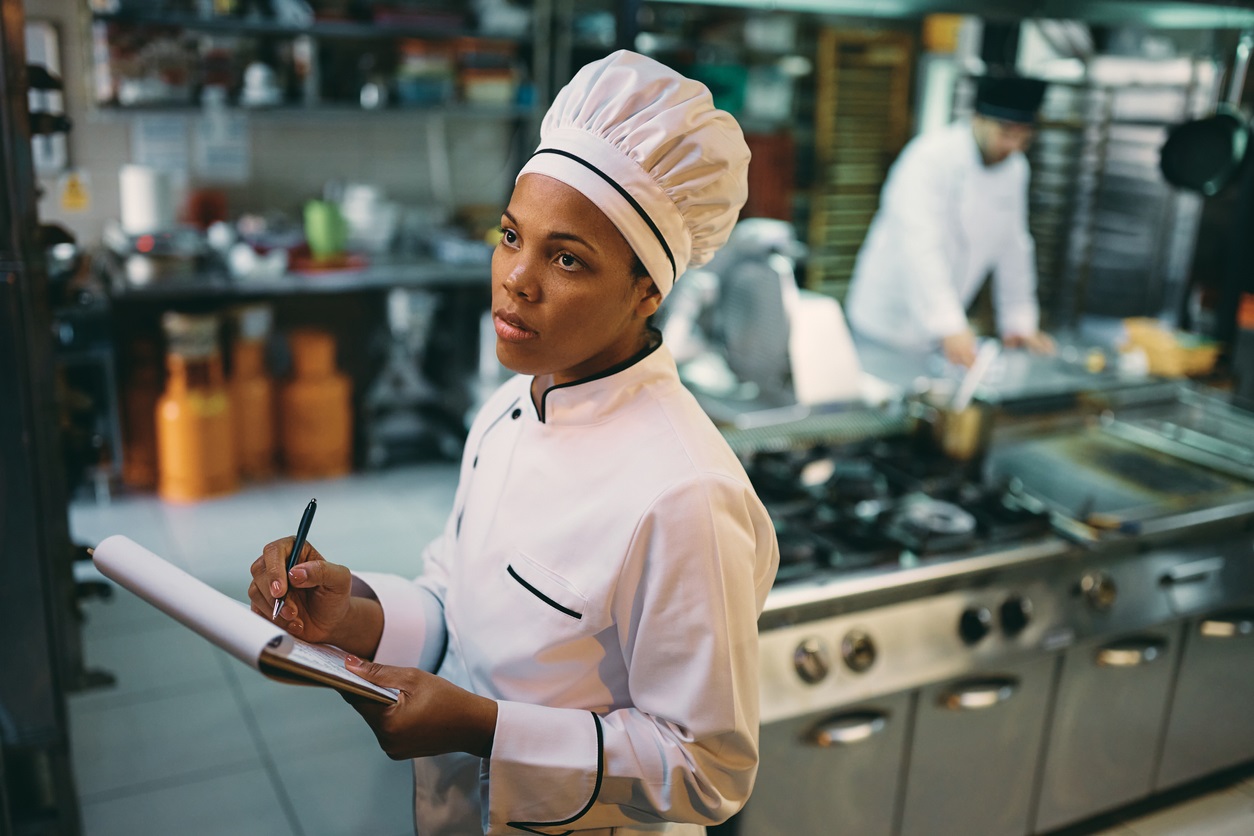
(933, 516)
(844, 510)
(856, 480)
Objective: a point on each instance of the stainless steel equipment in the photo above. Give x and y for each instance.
(1112, 237)
(923, 674)
(1193, 426)
(402, 410)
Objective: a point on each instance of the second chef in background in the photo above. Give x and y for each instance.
(954, 209)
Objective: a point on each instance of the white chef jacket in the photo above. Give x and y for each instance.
(945, 220)
(600, 577)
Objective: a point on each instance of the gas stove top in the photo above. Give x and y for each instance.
(850, 509)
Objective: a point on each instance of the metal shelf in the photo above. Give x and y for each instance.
(1182, 14)
(380, 274)
(319, 29)
(455, 110)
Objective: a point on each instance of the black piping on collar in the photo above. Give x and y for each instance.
(655, 342)
(618, 187)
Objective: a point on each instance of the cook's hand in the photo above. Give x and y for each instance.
(959, 348)
(1038, 343)
(318, 591)
(432, 717)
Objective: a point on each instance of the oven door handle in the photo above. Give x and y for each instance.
(1131, 653)
(1228, 626)
(979, 693)
(1194, 572)
(847, 729)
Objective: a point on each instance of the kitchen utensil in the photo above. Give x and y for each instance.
(966, 389)
(1204, 155)
(961, 436)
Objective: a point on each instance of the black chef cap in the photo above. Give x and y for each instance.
(1009, 98)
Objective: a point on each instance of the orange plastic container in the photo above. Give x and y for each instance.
(195, 449)
(253, 412)
(315, 409)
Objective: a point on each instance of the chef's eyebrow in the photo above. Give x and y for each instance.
(557, 235)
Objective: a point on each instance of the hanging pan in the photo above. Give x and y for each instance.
(1204, 155)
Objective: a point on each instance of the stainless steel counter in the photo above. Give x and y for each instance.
(1016, 375)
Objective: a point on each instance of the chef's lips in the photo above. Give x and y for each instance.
(510, 326)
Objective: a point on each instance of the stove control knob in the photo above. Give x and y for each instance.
(1016, 612)
(975, 624)
(812, 661)
(1099, 590)
(858, 651)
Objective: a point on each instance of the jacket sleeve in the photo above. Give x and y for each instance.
(686, 748)
(414, 634)
(917, 202)
(1015, 275)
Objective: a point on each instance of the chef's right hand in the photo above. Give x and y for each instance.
(318, 591)
(959, 348)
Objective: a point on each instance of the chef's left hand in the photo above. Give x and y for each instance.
(432, 716)
(1038, 343)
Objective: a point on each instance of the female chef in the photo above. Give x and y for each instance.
(580, 652)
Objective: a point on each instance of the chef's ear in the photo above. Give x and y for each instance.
(652, 298)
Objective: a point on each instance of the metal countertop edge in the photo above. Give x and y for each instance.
(1050, 547)
(801, 595)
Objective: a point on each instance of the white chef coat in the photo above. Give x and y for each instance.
(945, 220)
(600, 576)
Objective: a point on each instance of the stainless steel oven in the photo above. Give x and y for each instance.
(1108, 715)
(934, 659)
(828, 771)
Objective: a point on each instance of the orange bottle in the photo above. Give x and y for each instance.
(315, 409)
(195, 451)
(252, 395)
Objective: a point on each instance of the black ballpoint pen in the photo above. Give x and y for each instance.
(302, 531)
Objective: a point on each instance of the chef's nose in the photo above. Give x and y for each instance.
(520, 279)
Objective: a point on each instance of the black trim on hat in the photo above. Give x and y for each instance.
(639, 209)
(1006, 114)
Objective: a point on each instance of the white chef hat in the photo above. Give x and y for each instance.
(648, 147)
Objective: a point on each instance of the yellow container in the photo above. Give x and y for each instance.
(195, 450)
(195, 454)
(252, 410)
(315, 409)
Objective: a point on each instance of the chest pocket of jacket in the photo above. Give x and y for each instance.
(546, 589)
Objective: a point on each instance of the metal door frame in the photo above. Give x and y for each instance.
(37, 604)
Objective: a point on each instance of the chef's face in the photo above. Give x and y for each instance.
(566, 301)
(998, 140)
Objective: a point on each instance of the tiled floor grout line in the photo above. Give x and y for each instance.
(181, 779)
(87, 704)
(267, 760)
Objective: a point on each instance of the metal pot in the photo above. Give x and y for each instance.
(960, 436)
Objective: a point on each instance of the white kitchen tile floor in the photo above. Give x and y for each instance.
(191, 741)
